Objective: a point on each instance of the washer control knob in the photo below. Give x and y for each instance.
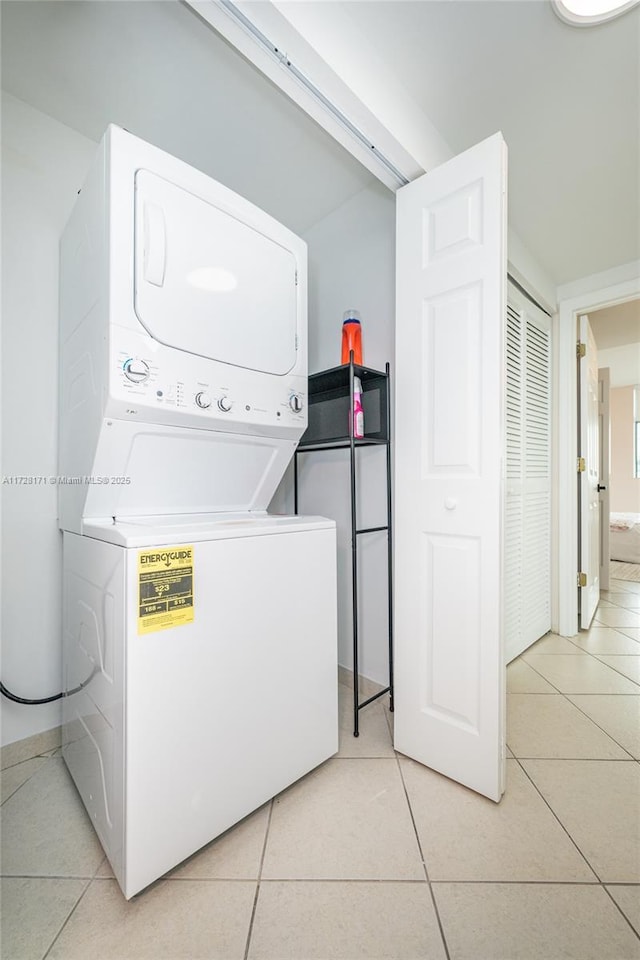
(136, 370)
(225, 404)
(203, 400)
(295, 402)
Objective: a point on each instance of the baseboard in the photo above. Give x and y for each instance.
(367, 687)
(33, 746)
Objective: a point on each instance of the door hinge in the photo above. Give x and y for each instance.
(582, 465)
(296, 278)
(582, 579)
(581, 350)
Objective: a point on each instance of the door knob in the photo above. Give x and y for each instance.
(600, 487)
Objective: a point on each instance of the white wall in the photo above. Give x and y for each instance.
(624, 487)
(623, 362)
(524, 268)
(352, 264)
(43, 165)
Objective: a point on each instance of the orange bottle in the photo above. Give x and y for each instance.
(352, 337)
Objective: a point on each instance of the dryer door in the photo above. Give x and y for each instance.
(209, 283)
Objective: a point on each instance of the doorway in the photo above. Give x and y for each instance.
(624, 285)
(616, 331)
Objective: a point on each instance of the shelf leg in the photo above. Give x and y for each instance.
(354, 555)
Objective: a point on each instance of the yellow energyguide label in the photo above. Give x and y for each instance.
(165, 588)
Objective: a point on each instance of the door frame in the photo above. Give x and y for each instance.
(566, 439)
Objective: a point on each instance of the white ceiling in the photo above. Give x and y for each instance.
(566, 99)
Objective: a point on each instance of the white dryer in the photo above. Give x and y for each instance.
(200, 650)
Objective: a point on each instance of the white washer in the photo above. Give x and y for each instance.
(184, 731)
(200, 648)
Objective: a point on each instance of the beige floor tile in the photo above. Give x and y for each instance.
(606, 604)
(551, 727)
(374, 739)
(580, 675)
(552, 644)
(33, 910)
(628, 899)
(12, 778)
(35, 746)
(633, 632)
(618, 716)
(606, 640)
(618, 617)
(466, 837)
(345, 921)
(105, 870)
(617, 588)
(236, 855)
(521, 678)
(598, 803)
(624, 586)
(629, 601)
(629, 666)
(46, 830)
(532, 922)
(185, 919)
(347, 820)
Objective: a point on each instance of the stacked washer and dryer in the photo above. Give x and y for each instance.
(199, 631)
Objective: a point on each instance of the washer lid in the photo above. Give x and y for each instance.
(210, 283)
(198, 527)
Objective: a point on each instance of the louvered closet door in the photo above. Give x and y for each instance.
(528, 500)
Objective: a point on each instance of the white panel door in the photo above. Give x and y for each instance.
(589, 496)
(604, 437)
(449, 442)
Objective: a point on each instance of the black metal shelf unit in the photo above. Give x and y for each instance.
(331, 428)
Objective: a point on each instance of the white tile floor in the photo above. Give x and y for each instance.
(373, 856)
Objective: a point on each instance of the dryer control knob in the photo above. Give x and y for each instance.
(203, 400)
(295, 402)
(225, 404)
(136, 370)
